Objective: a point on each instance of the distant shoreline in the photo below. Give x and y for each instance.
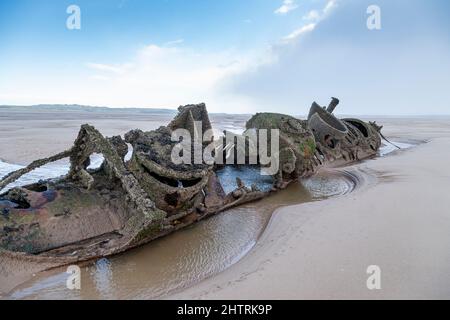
(82, 108)
(73, 108)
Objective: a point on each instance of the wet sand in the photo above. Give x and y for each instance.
(321, 250)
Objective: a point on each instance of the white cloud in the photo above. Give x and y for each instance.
(174, 42)
(330, 6)
(100, 77)
(287, 6)
(118, 69)
(315, 17)
(169, 76)
(300, 31)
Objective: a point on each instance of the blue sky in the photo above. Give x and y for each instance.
(235, 55)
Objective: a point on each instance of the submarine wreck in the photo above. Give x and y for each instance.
(93, 213)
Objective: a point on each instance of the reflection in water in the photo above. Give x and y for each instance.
(185, 257)
(388, 148)
(102, 276)
(248, 174)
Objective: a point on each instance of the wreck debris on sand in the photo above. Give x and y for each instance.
(91, 213)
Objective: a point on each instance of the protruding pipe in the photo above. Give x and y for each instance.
(333, 104)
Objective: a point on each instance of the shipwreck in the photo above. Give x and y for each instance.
(92, 213)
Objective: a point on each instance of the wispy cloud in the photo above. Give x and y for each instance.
(286, 7)
(330, 6)
(173, 42)
(300, 31)
(318, 15)
(313, 17)
(117, 69)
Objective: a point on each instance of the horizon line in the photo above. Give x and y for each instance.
(175, 109)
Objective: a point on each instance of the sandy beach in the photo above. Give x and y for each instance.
(398, 219)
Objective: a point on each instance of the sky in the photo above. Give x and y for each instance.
(237, 56)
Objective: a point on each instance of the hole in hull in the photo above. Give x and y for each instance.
(21, 204)
(172, 199)
(329, 141)
(95, 161)
(361, 128)
(36, 187)
(172, 182)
